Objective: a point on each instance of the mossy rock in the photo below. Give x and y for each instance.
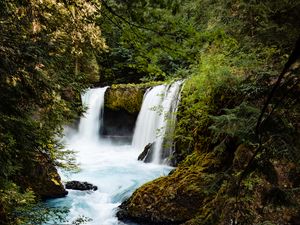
(128, 97)
(173, 199)
(42, 177)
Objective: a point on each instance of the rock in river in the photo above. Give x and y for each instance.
(81, 186)
(147, 154)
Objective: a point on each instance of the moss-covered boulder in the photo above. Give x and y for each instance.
(121, 107)
(203, 191)
(42, 177)
(173, 199)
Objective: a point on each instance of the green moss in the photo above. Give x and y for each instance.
(175, 198)
(140, 86)
(128, 97)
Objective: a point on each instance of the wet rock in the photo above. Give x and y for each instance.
(81, 186)
(147, 154)
(121, 107)
(118, 123)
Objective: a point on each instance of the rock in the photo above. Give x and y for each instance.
(169, 200)
(118, 123)
(126, 97)
(42, 177)
(81, 186)
(121, 107)
(146, 155)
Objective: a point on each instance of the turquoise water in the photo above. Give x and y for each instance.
(112, 166)
(116, 172)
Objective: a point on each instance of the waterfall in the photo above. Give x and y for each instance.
(90, 123)
(166, 120)
(147, 121)
(157, 113)
(112, 167)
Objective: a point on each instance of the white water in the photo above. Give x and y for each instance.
(90, 123)
(157, 112)
(113, 168)
(147, 121)
(166, 119)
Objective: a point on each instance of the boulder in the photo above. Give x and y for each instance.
(169, 200)
(42, 177)
(81, 186)
(126, 97)
(121, 107)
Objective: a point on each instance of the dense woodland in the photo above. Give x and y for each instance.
(237, 136)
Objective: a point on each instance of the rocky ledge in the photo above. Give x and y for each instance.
(201, 191)
(121, 108)
(124, 97)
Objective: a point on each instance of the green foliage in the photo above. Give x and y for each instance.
(211, 86)
(153, 41)
(237, 122)
(47, 57)
(12, 200)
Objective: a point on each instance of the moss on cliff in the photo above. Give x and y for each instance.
(128, 97)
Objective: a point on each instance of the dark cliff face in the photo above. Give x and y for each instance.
(118, 123)
(122, 105)
(42, 177)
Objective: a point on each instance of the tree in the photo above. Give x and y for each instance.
(44, 47)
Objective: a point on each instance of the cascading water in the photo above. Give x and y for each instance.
(147, 121)
(153, 123)
(90, 125)
(111, 167)
(169, 107)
